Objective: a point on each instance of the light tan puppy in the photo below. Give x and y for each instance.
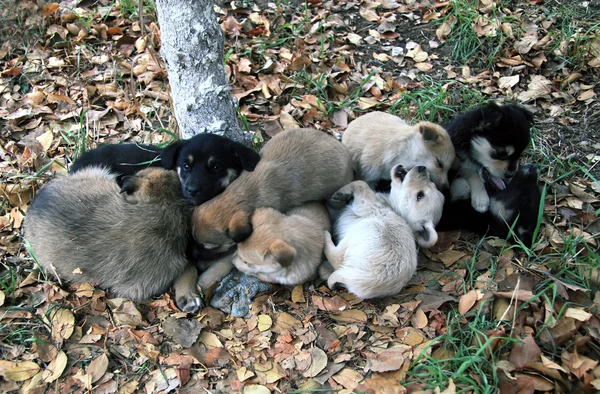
(376, 254)
(296, 166)
(377, 141)
(131, 241)
(285, 248)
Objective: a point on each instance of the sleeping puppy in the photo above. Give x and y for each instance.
(492, 137)
(206, 163)
(376, 254)
(296, 166)
(377, 141)
(132, 242)
(285, 248)
(519, 201)
(121, 159)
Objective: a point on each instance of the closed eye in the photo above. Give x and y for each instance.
(440, 164)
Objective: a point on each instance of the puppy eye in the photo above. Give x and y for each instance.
(420, 195)
(216, 166)
(186, 166)
(440, 164)
(501, 155)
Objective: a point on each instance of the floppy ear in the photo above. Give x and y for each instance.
(169, 155)
(240, 227)
(430, 134)
(426, 235)
(282, 252)
(128, 188)
(398, 173)
(248, 157)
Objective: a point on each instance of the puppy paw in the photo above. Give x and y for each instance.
(480, 202)
(340, 198)
(191, 303)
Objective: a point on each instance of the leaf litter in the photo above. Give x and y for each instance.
(318, 65)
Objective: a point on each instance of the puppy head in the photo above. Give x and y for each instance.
(207, 164)
(151, 184)
(520, 201)
(219, 224)
(500, 137)
(264, 251)
(415, 197)
(437, 154)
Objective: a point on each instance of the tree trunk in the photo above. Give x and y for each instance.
(192, 46)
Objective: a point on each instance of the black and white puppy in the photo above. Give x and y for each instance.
(206, 163)
(493, 137)
(519, 201)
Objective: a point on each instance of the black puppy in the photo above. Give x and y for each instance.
(519, 200)
(120, 159)
(493, 137)
(206, 163)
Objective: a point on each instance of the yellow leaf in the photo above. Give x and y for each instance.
(55, 368)
(22, 371)
(419, 319)
(97, 367)
(367, 102)
(2, 297)
(298, 295)
(256, 389)
(210, 340)
(264, 322)
(349, 316)
(63, 323)
(578, 314)
(46, 140)
(467, 301)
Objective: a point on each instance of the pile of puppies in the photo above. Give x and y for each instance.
(137, 219)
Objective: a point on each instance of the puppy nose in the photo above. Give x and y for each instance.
(421, 169)
(192, 190)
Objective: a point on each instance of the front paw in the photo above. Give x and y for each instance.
(340, 198)
(480, 202)
(191, 303)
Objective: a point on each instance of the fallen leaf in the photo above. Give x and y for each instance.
(318, 362)
(63, 323)
(525, 352)
(466, 301)
(264, 322)
(97, 367)
(22, 371)
(55, 368)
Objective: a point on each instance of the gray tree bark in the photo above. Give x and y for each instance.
(192, 46)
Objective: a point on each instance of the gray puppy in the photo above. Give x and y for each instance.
(132, 241)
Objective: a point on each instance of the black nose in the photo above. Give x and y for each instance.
(192, 190)
(421, 169)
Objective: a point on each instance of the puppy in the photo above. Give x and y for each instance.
(206, 163)
(376, 254)
(121, 159)
(516, 206)
(296, 166)
(493, 137)
(377, 141)
(83, 229)
(285, 248)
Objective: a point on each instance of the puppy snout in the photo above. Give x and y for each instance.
(192, 190)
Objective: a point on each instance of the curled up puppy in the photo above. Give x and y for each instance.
(378, 141)
(132, 242)
(285, 248)
(376, 254)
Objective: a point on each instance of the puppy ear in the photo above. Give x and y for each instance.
(248, 157)
(169, 155)
(428, 131)
(240, 227)
(426, 235)
(398, 173)
(128, 188)
(282, 252)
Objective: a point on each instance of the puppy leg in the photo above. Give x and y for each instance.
(346, 193)
(215, 272)
(186, 294)
(334, 254)
(479, 197)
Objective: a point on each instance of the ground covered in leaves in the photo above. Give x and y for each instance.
(481, 315)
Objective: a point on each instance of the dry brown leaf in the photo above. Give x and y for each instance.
(466, 301)
(98, 367)
(525, 352)
(256, 389)
(348, 378)
(55, 368)
(318, 362)
(369, 14)
(419, 319)
(63, 324)
(390, 359)
(349, 316)
(298, 294)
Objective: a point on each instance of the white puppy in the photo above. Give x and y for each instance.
(376, 255)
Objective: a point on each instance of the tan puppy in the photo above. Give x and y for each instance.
(377, 141)
(285, 248)
(132, 241)
(376, 255)
(296, 166)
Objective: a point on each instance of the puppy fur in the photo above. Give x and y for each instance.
(376, 254)
(491, 136)
(296, 166)
(207, 164)
(519, 201)
(377, 141)
(120, 159)
(82, 229)
(285, 248)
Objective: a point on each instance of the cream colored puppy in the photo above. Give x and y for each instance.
(376, 255)
(377, 141)
(285, 248)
